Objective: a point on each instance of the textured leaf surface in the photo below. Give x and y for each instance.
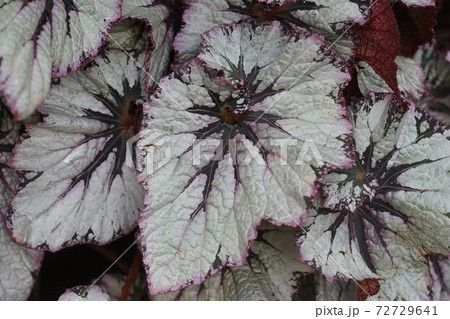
(436, 98)
(45, 38)
(129, 35)
(160, 17)
(410, 78)
(328, 18)
(271, 272)
(84, 293)
(18, 266)
(9, 135)
(367, 288)
(440, 271)
(79, 181)
(216, 135)
(379, 218)
(379, 42)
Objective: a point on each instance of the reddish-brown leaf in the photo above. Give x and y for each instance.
(379, 42)
(416, 26)
(367, 287)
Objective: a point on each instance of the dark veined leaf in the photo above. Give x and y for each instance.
(18, 266)
(79, 183)
(45, 38)
(436, 98)
(440, 272)
(85, 293)
(410, 78)
(161, 19)
(240, 139)
(379, 42)
(330, 18)
(367, 287)
(380, 218)
(272, 272)
(129, 35)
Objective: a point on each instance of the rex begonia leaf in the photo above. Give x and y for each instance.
(416, 25)
(160, 18)
(223, 144)
(18, 266)
(379, 42)
(440, 271)
(271, 273)
(330, 18)
(85, 293)
(79, 180)
(45, 38)
(380, 218)
(129, 35)
(410, 78)
(436, 98)
(9, 135)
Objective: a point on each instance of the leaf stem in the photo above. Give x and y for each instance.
(131, 276)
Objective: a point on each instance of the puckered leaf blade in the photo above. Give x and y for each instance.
(410, 79)
(436, 98)
(160, 17)
(218, 141)
(379, 42)
(332, 19)
(378, 219)
(271, 272)
(440, 271)
(79, 181)
(18, 266)
(85, 293)
(45, 38)
(129, 35)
